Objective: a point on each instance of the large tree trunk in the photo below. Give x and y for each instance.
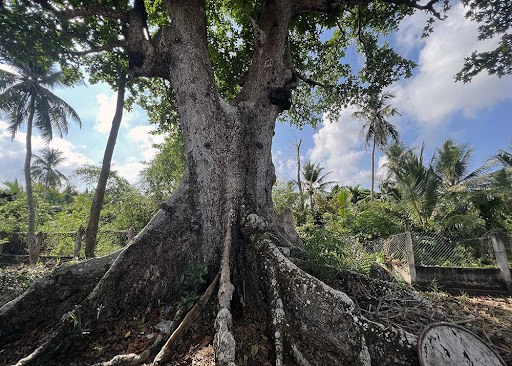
(91, 231)
(221, 215)
(33, 250)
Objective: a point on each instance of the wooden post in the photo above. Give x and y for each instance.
(78, 242)
(410, 257)
(130, 233)
(501, 260)
(39, 245)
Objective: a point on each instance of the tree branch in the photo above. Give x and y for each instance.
(329, 6)
(311, 81)
(94, 9)
(96, 49)
(428, 7)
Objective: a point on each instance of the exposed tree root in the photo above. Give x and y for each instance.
(106, 287)
(328, 319)
(385, 302)
(59, 291)
(277, 317)
(298, 356)
(37, 353)
(160, 345)
(224, 341)
(312, 323)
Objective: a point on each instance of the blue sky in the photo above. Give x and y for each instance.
(434, 108)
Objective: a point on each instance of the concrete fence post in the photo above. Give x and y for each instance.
(78, 242)
(501, 259)
(410, 257)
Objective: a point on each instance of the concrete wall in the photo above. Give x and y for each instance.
(459, 277)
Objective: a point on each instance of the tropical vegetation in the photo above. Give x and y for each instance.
(26, 99)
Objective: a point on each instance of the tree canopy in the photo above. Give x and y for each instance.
(320, 37)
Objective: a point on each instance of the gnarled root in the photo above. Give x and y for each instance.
(312, 323)
(327, 319)
(59, 291)
(224, 341)
(277, 316)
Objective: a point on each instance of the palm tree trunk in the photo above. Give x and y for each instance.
(373, 167)
(99, 195)
(33, 250)
(45, 192)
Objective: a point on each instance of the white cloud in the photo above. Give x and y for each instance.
(339, 148)
(8, 68)
(142, 136)
(12, 154)
(432, 95)
(106, 112)
(382, 170)
(285, 164)
(130, 171)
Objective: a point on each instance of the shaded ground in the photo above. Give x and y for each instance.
(15, 279)
(490, 317)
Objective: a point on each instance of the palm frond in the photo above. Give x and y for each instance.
(7, 79)
(63, 108)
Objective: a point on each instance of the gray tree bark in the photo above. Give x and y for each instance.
(91, 231)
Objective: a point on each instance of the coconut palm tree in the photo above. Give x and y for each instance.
(376, 129)
(314, 180)
(26, 99)
(13, 186)
(416, 181)
(43, 169)
(451, 164)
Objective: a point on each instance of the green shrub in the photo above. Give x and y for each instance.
(325, 249)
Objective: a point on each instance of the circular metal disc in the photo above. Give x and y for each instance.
(450, 344)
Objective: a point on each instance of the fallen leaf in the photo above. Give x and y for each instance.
(254, 350)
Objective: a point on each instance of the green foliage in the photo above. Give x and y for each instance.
(43, 169)
(76, 321)
(161, 176)
(284, 195)
(314, 183)
(14, 281)
(451, 164)
(417, 183)
(495, 19)
(372, 223)
(28, 89)
(191, 285)
(324, 249)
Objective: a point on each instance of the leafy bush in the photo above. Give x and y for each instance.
(325, 249)
(191, 285)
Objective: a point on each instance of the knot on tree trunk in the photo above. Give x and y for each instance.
(254, 223)
(280, 97)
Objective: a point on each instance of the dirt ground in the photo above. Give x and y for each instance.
(489, 316)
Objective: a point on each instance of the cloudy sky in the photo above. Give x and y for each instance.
(433, 107)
